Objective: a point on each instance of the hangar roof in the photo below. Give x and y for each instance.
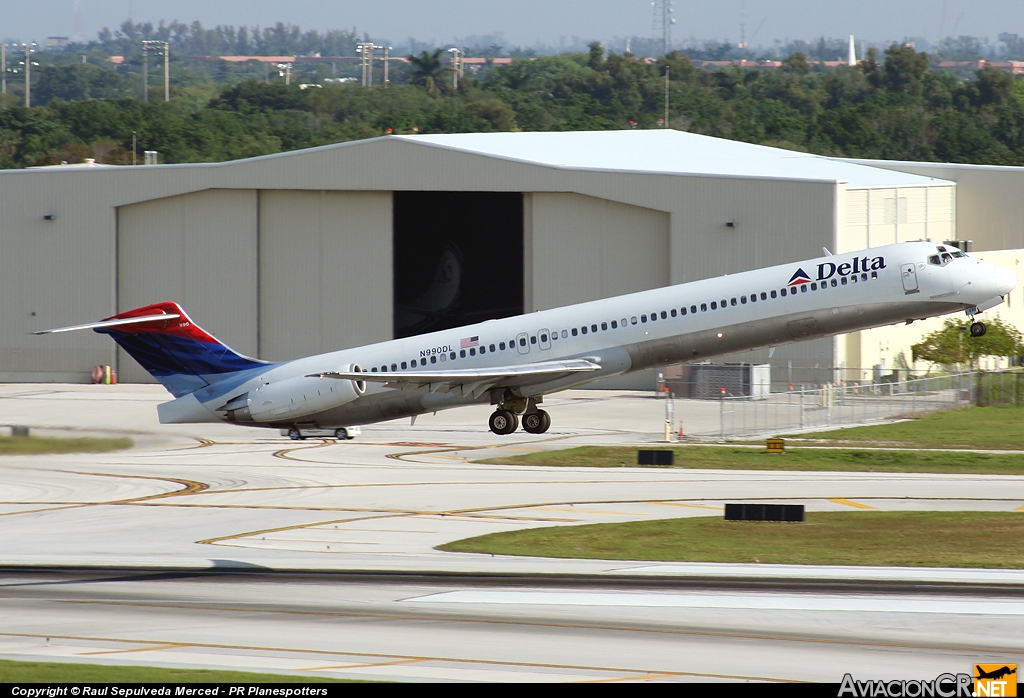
(668, 151)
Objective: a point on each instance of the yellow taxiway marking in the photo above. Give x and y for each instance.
(689, 506)
(583, 510)
(1020, 508)
(152, 648)
(850, 503)
(364, 665)
(188, 487)
(453, 660)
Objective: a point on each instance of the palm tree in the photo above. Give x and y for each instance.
(427, 70)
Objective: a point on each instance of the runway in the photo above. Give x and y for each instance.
(194, 497)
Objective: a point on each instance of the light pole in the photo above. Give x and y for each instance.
(457, 70)
(284, 70)
(158, 48)
(28, 63)
(365, 51)
(3, 68)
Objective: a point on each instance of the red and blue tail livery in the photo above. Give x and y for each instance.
(177, 352)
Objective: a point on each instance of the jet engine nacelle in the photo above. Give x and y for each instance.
(293, 398)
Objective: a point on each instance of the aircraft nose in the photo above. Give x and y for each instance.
(1004, 279)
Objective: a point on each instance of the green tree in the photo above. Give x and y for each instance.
(427, 71)
(953, 344)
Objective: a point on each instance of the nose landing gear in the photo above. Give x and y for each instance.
(978, 329)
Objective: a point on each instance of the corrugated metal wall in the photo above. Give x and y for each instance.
(199, 250)
(324, 271)
(876, 217)
(583, 248)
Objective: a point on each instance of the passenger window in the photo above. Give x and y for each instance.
(413, 364)
(583, 329)
(564, 334)
(633, 319)
(693, 309)
(843, 281)
(433, 359)
(834, 283)
(723, 302)
(703, 307)
(544, 337)
(853, 279)
(522, 341)
(753, 298)
(622, 322)
(394, 367)
(491, 348)
(732, 301)
(764, 297)
(673, 312)
(643, 318)
(483, 349)
(864, 277)
(664, 315)
(604, 325)
(593, 328)
(773, 294)
(682, 311)
(615, 325)
(574, 332)
(814, 286)
(783, 292)
(472, 352)
(373, 370)
(533, 340)
(404, 365)
(462, 353)
(803, 288)
(714, 305)
(743, 300)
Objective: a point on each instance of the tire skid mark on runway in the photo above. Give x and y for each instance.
(531, 623)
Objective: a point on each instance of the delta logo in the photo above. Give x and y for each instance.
(799, 278)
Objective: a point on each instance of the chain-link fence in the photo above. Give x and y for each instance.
(845, 405)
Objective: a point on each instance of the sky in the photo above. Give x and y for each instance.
(529, 22)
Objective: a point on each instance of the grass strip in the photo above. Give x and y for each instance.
(736, 458)
(61, 672)
(973, 427)
(873, 538)
(35, 445)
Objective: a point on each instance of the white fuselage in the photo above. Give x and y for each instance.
(686, 322)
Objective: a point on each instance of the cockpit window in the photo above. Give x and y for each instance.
(934, 259)
(958, 253)
(947, 257)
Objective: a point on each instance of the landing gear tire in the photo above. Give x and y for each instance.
(978, 329)
(342, 434)
(536, 422)
(503, 422)
(294, 434)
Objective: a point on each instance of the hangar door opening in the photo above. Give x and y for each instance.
(458, 259)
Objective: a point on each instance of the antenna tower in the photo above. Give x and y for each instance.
(663, 22)
(77, 24)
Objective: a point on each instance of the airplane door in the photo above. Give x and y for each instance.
(523, 343)
(909, 273)
(544, 338)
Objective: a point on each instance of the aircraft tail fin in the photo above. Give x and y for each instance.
(172, 348)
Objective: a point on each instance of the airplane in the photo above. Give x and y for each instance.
(996, 674)
(512, 363)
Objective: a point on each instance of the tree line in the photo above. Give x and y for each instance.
(891, 107)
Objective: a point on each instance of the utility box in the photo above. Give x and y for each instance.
(712, 381)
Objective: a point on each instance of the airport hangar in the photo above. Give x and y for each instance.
(315, 250)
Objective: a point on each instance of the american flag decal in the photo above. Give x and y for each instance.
(468, 342)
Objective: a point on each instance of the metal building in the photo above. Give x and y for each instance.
(331, 247)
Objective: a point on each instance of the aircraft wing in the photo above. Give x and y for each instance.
(471, 382)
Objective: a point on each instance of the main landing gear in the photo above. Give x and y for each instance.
(504, 420)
